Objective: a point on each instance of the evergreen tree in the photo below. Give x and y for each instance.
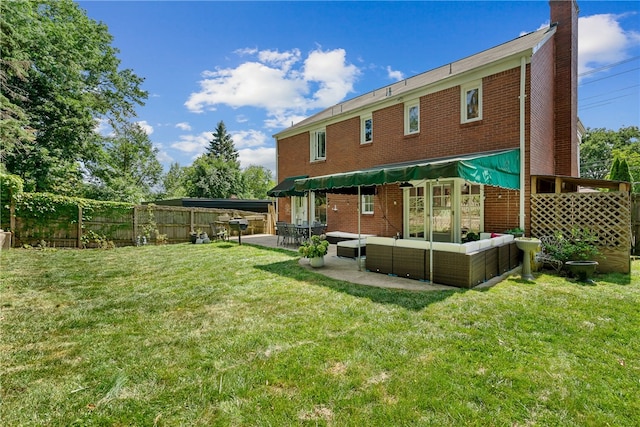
(615, 169)
(221, 146)
(622, 173)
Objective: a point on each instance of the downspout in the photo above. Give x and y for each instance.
(523, 77)
(359, 236)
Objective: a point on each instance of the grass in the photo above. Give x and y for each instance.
(224, 335)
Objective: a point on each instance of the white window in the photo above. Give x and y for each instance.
(471, 102)
(412, 117)
(367, 203)
(471, 207)
(366, 128)
(318, 145)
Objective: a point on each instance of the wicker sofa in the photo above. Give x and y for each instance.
(457, 264)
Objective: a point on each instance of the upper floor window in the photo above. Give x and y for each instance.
(366, 128)
(471, 102)
(412, 117)
(367, 203)
(318, 145)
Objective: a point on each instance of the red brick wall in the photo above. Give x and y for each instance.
(565, 13)
(386, 219)
(501, 209)
(441, 134)
(541, 95)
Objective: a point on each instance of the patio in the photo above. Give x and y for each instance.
(346, 269)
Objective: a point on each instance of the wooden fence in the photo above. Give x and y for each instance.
(124, 229)
(607, 214)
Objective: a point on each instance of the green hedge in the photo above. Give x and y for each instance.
(11, 186)
(43, 215)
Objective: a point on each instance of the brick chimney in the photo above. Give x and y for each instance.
(565, 14)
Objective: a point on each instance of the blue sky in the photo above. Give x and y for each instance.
(259, 66)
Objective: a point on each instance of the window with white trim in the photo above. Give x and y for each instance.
(366, 130)
(412, 117)
(471, 102)
(318, 145)
(367, 203)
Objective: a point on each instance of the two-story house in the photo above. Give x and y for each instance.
(444, 152)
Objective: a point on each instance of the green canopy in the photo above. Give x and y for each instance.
(286, 188)
(496, 168)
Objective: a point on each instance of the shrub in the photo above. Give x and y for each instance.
(580, 245)
(315, 247)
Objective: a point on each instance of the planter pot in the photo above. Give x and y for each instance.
(582, 270)
(193, 238)
(198, 241)
(316, 261)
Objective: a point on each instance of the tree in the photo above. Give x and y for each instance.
(212, 177)
(59, 75)
(258, 180)
(173, 182)
(615, 169)
(620, 171)
(221, 145)
(600, 147)
(126, 168)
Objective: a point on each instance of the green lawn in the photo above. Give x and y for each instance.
(223, 334)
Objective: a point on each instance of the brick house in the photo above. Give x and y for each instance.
(504, 114)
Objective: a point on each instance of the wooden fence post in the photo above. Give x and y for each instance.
(79, 243)
(135, 224)
(12, 221)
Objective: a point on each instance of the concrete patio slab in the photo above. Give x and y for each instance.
(346, 269)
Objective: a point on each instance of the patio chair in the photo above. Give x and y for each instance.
(281, 232)
(317, 229)
(292, 234)
(544, 257)
(219, 231)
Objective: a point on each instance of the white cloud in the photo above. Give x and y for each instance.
(249, 138)
(183, 126)
(103, 127)
(279, 121)
(334, 77)
(193, 143)
(283, 61)
(263, 156)
(394, 74)
(602, 41)
(278, 82)
(146, 127)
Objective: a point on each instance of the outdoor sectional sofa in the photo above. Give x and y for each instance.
(463, 265)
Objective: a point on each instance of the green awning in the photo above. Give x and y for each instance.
(496, 168)
(286, 188)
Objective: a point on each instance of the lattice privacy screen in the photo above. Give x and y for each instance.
(606, 214)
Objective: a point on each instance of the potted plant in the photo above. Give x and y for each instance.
(315, 249)
(576, 252)
(517, 232)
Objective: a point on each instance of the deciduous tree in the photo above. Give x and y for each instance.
(126, 168)
(258, 180)
(59, 75)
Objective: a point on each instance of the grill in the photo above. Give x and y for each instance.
(239, 224)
